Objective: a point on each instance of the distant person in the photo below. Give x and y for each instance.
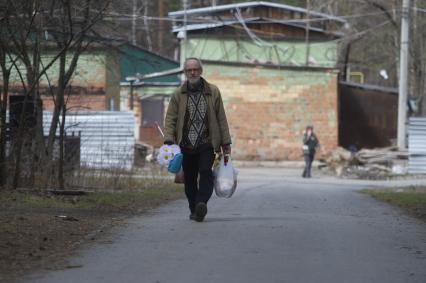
(310, 145)
(196, 121)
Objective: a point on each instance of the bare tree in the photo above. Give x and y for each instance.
(372, 44)
(6, 66)
(70, 23)
(29, 29)
(130, 21)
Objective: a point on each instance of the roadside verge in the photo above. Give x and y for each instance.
(40, 230)
(411, 199)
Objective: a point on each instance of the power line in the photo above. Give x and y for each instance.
(129, 17)
(419, 9)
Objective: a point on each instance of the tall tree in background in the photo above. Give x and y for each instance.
(373, 44)
(144, 23)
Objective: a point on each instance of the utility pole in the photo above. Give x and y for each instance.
(403, 75)
(185, 38)
(307, 27)
(161, 14)
(134, 22)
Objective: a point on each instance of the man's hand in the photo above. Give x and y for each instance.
(226, 149)
(226, 153)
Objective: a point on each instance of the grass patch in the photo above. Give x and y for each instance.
(402, 196)
(126, 198)
(94, 200)
(411, 199)
(119, 179)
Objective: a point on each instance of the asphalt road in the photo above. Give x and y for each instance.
(276, 228)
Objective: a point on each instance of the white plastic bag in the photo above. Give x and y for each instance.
(225, 181)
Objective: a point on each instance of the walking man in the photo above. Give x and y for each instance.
(310, 145)
(196, 121)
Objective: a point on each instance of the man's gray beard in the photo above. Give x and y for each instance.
(194, 81)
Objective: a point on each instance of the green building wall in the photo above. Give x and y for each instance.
(292, 52)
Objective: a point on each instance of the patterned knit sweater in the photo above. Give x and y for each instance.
(195, 132)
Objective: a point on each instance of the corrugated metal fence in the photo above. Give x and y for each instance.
(417, 145)
(107, 137)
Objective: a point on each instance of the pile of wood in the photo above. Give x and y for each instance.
(368, 162)
(337, 160)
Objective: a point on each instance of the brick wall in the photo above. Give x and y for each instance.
(79, 102)
(268, 108)
(95, 81)
(150, 136)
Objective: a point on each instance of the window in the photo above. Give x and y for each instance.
(152, 111)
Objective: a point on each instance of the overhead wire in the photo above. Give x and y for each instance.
(419, 9)
(256, 39)
(128, 17)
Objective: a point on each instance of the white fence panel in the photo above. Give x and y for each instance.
(107, 137)
(417, 145)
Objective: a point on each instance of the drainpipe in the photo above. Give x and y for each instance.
(131, 81)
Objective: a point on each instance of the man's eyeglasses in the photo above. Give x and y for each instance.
(192, 70)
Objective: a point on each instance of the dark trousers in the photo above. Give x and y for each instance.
(309, 158)
(198, 164)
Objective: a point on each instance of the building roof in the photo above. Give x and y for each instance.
(212, 9)
(270, 65)
(135, 60)
(292, 23)
(389, 90)
(144, 79)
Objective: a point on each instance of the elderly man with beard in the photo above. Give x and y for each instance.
(196, 121)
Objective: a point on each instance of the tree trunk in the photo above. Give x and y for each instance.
(19, 142)
(61, 180)
(59, 105)
(3, 107)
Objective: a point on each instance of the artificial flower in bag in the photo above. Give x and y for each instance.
(167, 153)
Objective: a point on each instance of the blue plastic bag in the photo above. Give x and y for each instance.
(176, 163)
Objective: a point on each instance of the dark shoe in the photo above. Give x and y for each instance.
(192, 216)
(200, 211)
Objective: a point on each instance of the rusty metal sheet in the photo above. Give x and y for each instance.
(367, 115)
